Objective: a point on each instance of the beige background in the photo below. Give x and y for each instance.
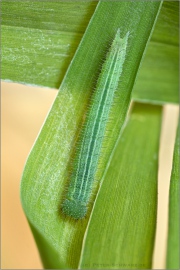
(23, 112)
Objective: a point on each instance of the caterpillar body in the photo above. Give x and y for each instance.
(86, 159)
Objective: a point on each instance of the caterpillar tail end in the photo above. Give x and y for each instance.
(74, 209)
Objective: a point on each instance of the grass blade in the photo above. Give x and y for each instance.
(173, 233)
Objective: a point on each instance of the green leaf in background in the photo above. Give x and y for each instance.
(122, 226)
(158, 79)
(39, 40)
(46, 172)
(173, 233)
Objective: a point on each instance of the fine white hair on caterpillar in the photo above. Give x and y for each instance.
(87, 154)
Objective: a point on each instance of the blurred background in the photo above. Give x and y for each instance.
(23, 112)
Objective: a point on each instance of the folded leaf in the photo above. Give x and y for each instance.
(46, 173)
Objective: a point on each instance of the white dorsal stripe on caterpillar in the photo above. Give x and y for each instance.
(92, 134)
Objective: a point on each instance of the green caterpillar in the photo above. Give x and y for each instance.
(92, 135)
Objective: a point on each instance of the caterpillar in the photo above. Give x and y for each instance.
(91, 137)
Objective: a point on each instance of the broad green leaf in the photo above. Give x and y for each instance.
(47, 169)
(39, 40)
(173, 250)
(122, 226)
